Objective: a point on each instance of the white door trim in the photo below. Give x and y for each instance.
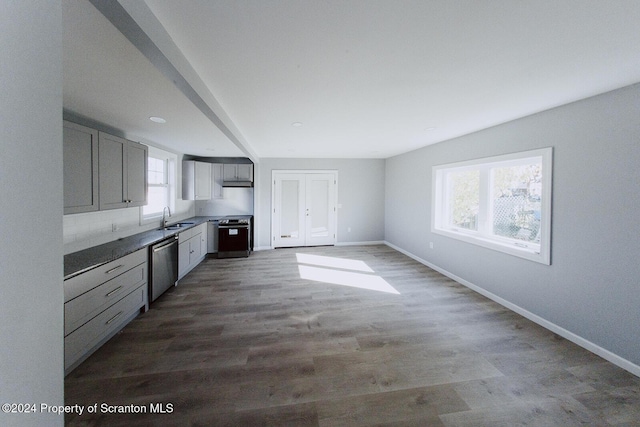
(277, 172)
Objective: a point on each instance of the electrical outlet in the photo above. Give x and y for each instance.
(114, 227)
(430, 245)
(349, 230)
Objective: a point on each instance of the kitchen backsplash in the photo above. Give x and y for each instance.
(85, 230)
(235, 201)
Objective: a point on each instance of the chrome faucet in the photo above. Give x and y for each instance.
(164, 218)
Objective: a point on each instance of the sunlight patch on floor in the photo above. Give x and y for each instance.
(328, 261)
(340, 271)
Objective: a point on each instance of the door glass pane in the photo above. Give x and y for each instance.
(464, 198)
(319, 207)
(517, 192)
(289, 219)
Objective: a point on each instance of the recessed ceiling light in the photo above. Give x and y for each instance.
(296, 124)
(157, 119)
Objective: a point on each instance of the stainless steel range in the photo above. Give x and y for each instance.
(234, 236)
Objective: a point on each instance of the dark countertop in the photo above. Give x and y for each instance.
(87, 259)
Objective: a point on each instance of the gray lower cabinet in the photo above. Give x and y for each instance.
(123, 172)
(100, 302)
(212, 237)
(80, 168)
(192, 248)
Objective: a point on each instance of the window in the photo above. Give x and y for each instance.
(502, 203)
(161, 171)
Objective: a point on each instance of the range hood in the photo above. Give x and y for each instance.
(242, 184)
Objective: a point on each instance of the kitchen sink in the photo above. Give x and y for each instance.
(177, 226)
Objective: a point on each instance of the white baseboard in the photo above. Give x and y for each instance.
(367, 243)
(576, 339)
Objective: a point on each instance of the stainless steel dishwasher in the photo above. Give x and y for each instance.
(164, 266)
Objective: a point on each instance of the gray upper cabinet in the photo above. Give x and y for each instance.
(123, 172)
(137, 174)
(244, 172)
(216, 181)
(80, 168)
(238, 172)
(196, 180)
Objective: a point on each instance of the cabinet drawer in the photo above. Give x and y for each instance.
(185, 235)
(81, 309)
(91, 333)
(202, 228)
(82, 283)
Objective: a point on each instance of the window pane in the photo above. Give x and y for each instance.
(464, 198)
(156, 171)
(501, 202)
(517, 192)
(157, 200)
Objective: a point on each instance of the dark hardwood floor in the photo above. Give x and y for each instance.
(248, 342)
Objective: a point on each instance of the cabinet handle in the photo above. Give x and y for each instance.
(114, 269)
(114, 318)
(113, 291)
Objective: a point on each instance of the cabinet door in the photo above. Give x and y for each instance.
(229, 172)
(123, 172)
(216, 178)
(136, 178)
(112, 164)
(202, 181)
(80, 168)
(184, 252)
(195, 253)
(244, 172)
(203, 239)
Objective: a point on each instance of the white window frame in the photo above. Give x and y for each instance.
(171, 161)
(484, 236)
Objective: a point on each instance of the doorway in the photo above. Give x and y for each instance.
(304, 208)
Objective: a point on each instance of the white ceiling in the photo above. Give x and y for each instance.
(366, 78)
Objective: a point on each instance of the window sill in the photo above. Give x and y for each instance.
(532, 252)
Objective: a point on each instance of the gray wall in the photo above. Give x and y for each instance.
(592, 288)
(31, 331)
(360, 192)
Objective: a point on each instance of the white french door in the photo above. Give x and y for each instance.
(304, 208)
